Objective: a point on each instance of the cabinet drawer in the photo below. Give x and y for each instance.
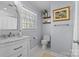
(11, 48)
(19, 54)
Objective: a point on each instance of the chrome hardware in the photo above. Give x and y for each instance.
(18, 47)
(19, 55)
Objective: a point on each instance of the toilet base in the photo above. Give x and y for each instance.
(44, 47)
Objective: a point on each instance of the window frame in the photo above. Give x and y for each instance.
(31, 14)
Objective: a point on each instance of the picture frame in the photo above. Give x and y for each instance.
(46, 20)
(61, 14)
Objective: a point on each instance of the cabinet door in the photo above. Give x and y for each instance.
(61, 41)
(11, 48)
(19, 54)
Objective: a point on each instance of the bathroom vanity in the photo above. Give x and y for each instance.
(15, 47)
(13, 20)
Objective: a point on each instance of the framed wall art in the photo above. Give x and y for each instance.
(61, 14)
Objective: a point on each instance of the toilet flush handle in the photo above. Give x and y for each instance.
(34, 37)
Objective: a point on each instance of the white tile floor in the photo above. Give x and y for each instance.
(75, 50)
(37, 51)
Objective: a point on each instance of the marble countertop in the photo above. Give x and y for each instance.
(11, 39)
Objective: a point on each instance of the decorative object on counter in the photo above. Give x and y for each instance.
(44, 13)
(62, 25)
(61, 14)
(46, 17)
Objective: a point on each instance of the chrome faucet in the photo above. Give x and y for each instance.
(9, 35)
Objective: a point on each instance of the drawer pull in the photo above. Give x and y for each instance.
(18, 47)
(19, 55)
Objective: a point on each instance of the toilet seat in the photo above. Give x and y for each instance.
(44, 41)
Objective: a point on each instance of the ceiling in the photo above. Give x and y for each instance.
(40, 5)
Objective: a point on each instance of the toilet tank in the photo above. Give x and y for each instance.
(46, 37)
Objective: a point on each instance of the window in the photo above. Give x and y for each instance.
(28, 19)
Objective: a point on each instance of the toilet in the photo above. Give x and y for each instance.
(44, 42)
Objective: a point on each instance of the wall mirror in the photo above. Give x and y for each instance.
(8, 15)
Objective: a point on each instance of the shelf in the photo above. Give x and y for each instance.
(46, 17)
(46, 22)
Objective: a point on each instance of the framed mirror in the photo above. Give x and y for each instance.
(8, 15)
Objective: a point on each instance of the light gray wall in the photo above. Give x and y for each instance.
(78, 20)
(62, 36)
(46, 28)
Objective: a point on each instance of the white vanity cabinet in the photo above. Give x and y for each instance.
(17, 48)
